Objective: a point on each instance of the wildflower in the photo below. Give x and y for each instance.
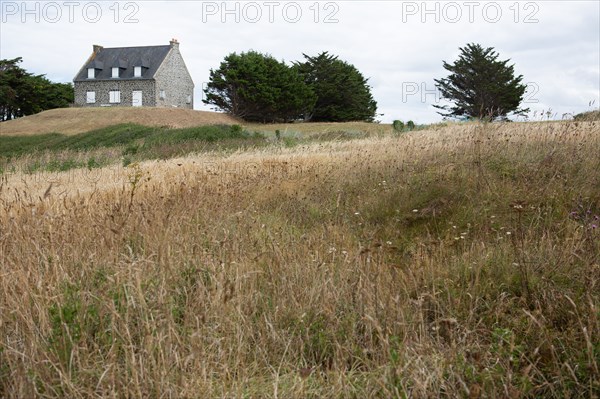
(508, 233)
(415, 210)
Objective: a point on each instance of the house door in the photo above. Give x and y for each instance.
(136, 98)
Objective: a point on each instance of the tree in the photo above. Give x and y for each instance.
(257, 87)
(481, 86)
(342, 92)
(12, 80)
(22, 93)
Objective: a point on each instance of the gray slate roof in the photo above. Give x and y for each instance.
(149, 57)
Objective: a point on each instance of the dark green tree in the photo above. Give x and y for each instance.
(481, 86)
(12, 86)
(257, 87)
(23, 93)
(342, 91)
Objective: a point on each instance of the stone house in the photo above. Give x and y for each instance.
(152, 76)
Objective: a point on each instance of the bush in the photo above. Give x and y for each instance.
(589, 116)
(398, 125)
(410, 125)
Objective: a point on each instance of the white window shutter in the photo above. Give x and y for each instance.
(114, 96)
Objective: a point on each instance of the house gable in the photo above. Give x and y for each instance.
(174, 84)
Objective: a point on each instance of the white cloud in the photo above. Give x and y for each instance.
(397, 44)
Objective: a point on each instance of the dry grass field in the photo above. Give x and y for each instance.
(80, 120)
(326, 129)
(460, 262)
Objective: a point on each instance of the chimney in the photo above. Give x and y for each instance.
(174, 43)
(97, 48)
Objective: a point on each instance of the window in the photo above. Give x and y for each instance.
(90, 97)
(137, 72)
(189, 99)
(91, 73)
(115, 72)
(162, 95)
(114, 97)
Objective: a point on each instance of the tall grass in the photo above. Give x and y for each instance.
(124, 142)
(114, 136)
(463, 262)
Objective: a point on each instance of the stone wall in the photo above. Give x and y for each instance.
(103, 87)
(173, 77)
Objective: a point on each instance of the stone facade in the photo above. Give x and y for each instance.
(167, 84)
(174, 80)
(126, 88)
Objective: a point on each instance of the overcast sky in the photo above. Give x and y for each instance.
(398, 45)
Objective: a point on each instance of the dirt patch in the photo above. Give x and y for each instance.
(79, 120)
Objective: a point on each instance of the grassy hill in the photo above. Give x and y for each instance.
(81, 120)
(457, 262)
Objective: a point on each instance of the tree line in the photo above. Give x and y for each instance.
(23, 93)
(257, 87)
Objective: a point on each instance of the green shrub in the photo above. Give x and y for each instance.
(131, 149)
(92, 163)
(398, 125)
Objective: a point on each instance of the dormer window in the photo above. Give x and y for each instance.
(91, 73)
(137, 72)
(115, 72)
